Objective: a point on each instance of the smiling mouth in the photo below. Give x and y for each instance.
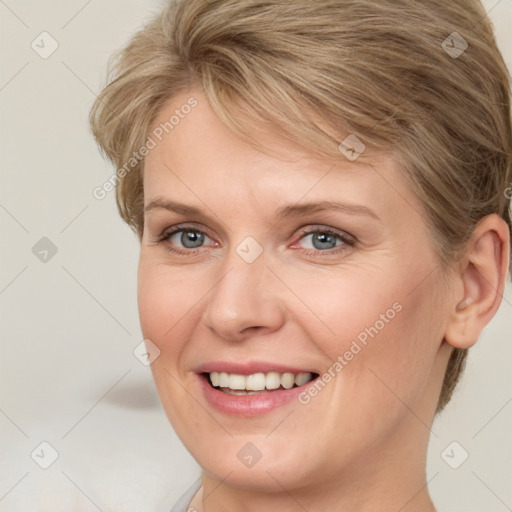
(257, 383)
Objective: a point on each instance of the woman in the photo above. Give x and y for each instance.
(319, 189)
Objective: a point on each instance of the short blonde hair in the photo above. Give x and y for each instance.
(422, 79)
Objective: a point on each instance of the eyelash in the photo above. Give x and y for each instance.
(348, 241)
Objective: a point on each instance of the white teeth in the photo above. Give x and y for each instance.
(223, 379)
(215, 378)
(236, 381)
(254, 382)
(287, 380)
(272, 380)
(258, 381)
(302, 378)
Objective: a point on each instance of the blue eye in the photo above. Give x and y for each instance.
(189, 239)
(322, 240)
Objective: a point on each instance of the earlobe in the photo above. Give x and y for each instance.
(482, 277)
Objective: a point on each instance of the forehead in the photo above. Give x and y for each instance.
(199, 156)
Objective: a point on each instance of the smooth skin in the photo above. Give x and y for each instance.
(360, 445)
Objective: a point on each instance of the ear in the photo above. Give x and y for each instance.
(482, 276)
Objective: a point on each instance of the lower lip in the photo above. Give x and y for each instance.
(248, 405)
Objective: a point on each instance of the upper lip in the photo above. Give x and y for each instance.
(249, 368)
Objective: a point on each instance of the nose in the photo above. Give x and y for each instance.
(245, 300)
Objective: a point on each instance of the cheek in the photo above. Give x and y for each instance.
(400, 362)
(355, 305)
(383, 338)
(166, 302)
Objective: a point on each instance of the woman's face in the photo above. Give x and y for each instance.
(248, 288)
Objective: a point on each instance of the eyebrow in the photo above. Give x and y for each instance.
(307, 208)
(281, 213)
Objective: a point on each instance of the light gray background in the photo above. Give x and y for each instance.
(69, 325)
